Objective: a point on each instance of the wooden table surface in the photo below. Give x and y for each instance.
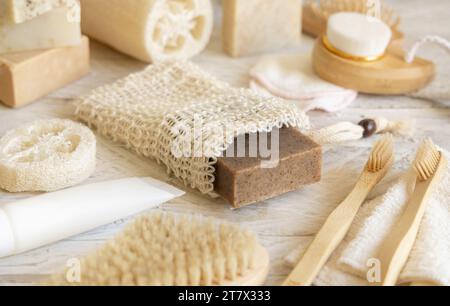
(281, 222)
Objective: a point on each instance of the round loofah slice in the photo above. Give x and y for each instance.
(46, 155)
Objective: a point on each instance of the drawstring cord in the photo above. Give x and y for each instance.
(411, 55)
(347, 131)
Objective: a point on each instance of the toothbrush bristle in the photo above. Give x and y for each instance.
(382, 154)
(427, 160)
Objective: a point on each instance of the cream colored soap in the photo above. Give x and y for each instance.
(18, 11)
(28, 76)
(50, 30)
(257, 26)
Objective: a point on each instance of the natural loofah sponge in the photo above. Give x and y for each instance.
(150, 30)
(46, 155)
(169, 249)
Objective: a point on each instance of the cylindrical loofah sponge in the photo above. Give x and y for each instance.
(46, 155)
(150, 30)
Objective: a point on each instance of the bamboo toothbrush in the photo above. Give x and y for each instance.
(172, 249)
(338, 223)
(429, 165)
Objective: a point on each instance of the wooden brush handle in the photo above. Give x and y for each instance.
(329, 237)
(395, 251)
(396, 248)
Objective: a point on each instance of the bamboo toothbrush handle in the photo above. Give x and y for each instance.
(329, 237)
(398, 245)
(429, 166)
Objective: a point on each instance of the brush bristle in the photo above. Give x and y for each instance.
(168, 249)
(427, 160)
(382, 154)
(326, 8)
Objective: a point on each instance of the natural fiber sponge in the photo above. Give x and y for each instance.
(46, 155)
(150, 30)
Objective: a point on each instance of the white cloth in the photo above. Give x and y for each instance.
(429, 261)
(291, 77)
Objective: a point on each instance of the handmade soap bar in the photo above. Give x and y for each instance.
(244, 180)
(18, 11)
(255, 26)
(50, 30)
(27, 76)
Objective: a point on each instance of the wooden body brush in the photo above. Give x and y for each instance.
(390, 75)
(180, 250)
(429, 166)
(359, 52)
(338, 223)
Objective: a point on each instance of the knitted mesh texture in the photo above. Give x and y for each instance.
(182, 117)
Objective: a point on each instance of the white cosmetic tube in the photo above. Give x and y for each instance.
(47, 218)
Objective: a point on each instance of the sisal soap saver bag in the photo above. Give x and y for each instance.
(183, 117)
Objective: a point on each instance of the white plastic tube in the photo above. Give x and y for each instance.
(47, 218)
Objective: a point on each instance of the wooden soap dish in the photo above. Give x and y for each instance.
(389, 75)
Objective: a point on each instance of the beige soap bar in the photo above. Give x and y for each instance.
(257, 26)
(18, 11)
(28, 76)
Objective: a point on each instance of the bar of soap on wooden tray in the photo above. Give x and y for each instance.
(243, 180)
(257, 26)
(30, 75)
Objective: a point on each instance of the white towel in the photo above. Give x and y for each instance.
(429, 261)
(291, 77)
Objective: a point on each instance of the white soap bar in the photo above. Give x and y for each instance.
(18, 11)
(51, 30)
(358, 34)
